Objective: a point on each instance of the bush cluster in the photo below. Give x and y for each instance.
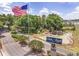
(19, 38)
(36, 45)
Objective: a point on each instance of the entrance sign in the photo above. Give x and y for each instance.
(54, 40)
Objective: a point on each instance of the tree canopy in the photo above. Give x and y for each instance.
(32, 23)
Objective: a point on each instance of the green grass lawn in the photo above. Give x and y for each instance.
(75, 46)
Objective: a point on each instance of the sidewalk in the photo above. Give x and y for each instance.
(4, 53)
(11, 48)
(0, 54)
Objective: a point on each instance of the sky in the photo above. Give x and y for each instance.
(67, 10)
(6, 7)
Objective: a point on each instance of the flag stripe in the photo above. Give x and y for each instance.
(18, 11)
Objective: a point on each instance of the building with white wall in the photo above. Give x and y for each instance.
(75, 22)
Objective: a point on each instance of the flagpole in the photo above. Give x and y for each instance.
(28, 22)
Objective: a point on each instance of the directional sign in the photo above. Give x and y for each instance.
(54, 40)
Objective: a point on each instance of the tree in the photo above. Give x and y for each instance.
(22, 24)
(43, 21)
(3, 17)
(36, 45)
(55, 21)
(1, 24)
(9, 20)
(1, 27)
(35, 24)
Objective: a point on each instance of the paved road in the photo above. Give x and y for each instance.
(12, 48)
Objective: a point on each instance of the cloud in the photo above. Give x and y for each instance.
(30, 10)
(44, 11)
(77, 8)
(5, 8)
(4, 5)
(72, 15)
(55, 12)
(67, 16)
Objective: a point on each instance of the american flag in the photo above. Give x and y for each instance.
(19, 11)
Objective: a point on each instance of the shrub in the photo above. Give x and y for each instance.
(13, 32)
(77, 53)
(36, 45)
(15, 36)
(49, 53)
(70, 54)
(20, 38)
(69, 28)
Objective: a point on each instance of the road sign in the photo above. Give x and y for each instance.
(54, 40)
